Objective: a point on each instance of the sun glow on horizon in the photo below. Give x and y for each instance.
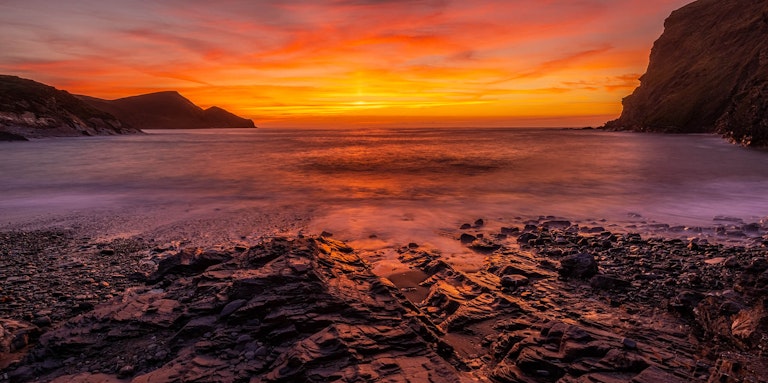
(349, 62)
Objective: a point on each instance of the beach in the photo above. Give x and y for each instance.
(497, 271)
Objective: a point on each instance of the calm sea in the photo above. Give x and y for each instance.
(365, 181)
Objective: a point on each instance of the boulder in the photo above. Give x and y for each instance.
(578, 266)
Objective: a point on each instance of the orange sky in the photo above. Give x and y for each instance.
(346, 62)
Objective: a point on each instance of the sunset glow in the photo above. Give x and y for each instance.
(336, 63)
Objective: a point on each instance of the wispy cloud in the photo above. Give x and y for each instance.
(502, 58)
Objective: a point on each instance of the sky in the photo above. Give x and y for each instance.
(303, 63)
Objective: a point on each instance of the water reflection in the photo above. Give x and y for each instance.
(371, 175)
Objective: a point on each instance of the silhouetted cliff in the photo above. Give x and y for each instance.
(168, 110)
(708, 72)
(29, 109)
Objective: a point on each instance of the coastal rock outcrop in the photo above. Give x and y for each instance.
(659, 307)
(167, 110)
(301, 310)
(29, 109)
(708, 72)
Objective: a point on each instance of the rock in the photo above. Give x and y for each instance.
(29, 109)
(5, 136)
(749, 327)
(556, 224)
(620, 360)
(734, 367)
(754, 279)
(253, 318)
(231, 307)
(42, 321)
(167, 110)
(608, 282)
(484, 245)
(309, 308)
(578, 266)
(465, 226)
(706, 74)
(16, 335)
(509, 230)
(629, 344)
(479, 222)
(656, 375)
(191, 260)
(526, 238)
(126, 371)
(467, 238)
(513, 281)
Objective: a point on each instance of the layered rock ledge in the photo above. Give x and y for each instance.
(282, 311)
(551, 301)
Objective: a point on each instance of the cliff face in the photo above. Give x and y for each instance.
(167, 110)
(29, 109)
(708, 72)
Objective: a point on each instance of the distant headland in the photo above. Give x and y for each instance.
(29, 109)
(708, 73)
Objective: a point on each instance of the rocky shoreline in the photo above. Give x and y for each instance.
(552, 301)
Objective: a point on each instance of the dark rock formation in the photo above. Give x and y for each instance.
(168, 110)
(310, 309)
(14, 337)
(29, 109)
(304, 310)
(708, 72)
(5, 136)
(581, 266)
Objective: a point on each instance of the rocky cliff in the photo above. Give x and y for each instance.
(168, 110)
(29, 109)
(708, 72)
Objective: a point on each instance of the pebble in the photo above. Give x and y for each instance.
(629, 344)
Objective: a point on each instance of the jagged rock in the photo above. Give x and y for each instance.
(578, 266)
(620, 360)
(16, 335)
(754, 279)
(484, 245)
(467, 238)
(514, 280)
(708, 72)
(737, 368)
(310, 310)
(526, 238)
(608, 282)
(187, 261)
(285, 310)
(686, 301)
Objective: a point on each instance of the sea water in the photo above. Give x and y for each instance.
(409, 183)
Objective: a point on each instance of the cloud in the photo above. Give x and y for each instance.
(298, 56)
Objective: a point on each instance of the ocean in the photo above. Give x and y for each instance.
(408, 184)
